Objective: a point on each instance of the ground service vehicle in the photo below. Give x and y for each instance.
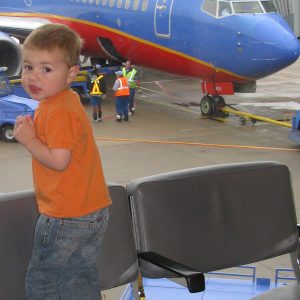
(11, 106)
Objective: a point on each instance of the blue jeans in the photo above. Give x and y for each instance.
(131, 99)
(64, 255)
(122, 106)
(96, 100)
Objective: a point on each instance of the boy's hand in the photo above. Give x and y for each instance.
(24, 130)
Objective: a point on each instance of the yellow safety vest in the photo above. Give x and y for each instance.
(96, 89)
(130, 76)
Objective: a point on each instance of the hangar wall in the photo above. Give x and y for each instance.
(290, 9)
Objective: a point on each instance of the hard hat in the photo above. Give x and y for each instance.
(97, 67)
(119, 73)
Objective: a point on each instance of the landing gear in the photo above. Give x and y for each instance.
(211, 106)
(206, 106)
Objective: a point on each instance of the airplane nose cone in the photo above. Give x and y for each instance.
(276, 47)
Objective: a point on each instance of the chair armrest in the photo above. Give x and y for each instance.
(195, 280)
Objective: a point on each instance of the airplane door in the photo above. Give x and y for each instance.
(162, 18)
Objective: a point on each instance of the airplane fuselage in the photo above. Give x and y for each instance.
(172, 35)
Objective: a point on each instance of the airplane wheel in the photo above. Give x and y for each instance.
(218, 103)
(7, 134)
(206, 106)
(253, 121)
(219, 100)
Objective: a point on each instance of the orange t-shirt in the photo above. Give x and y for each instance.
(61, 122)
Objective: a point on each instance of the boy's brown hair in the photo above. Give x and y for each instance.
(56, 36)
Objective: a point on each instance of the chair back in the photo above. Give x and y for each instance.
(18, 215)
(117, 261)
(210, 218)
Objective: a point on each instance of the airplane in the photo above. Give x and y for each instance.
(228, 44)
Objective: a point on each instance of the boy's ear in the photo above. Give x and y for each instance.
(73, 73)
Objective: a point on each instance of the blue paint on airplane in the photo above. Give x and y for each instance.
(218, 41)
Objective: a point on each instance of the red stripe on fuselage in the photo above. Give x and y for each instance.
(141, 52)
(146, 55)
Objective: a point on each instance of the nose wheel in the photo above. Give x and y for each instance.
(211, 106)
(206, 106)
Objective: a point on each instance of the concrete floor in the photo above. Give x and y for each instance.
(167, 133)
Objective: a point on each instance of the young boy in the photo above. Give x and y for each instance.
(70, 188)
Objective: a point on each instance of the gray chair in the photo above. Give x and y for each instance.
(210, 218)
(117, 263)
(18, 214)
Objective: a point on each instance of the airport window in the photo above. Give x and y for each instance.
(127, 4)
(144, 5)
(111, 3)
(224, 9)
(269, 6)
(247, 7)
(119, 4)
(210, 6)
(135, 4)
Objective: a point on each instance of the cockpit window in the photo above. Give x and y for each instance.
(247, 7)
(269, 6)
(210, 6)
(224, 9)
(221, 8)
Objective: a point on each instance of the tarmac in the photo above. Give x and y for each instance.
(167, 133)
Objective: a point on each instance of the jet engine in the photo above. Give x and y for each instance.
(10, 54)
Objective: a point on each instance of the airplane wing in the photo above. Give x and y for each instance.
(20, 27)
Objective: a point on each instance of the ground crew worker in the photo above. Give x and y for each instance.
(121, 89)
(132, 75)
(97, 93)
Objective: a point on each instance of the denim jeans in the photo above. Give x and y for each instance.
(63, 261)
(96, 100)
(131, 99)
(122, 106)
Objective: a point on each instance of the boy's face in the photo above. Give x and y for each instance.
(46, 73)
